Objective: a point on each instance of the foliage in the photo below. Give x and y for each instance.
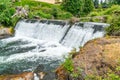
(73, 6)
(44, 15)
(64, 15)
(88, 6)
(110, 11)
(116, 2)
(55, 12)
(68, 65)
(96, 3)
(92, 14)
(114, 29)
(35, 10)
(6, 12)
(78, 7)
(111, 16)
(108, 18)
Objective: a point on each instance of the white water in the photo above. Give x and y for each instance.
(78, 35)
(50, 41)
(42, 31)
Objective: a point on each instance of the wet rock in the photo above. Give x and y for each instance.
(40, 68)
(5, 33)
(62, 73)
(5, 36)
(44, 75)
(22, 76)
(48, 75)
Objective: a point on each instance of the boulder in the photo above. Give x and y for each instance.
(5, 33)
(22, 76)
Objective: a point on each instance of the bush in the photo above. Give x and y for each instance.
(108, 18)
(46, 10)
(73, 7)
(6, 12)
(114, 29)
(92, 14)
(55, 12)
(44, 15)
(68, 65)
(110, 11)
(65, 15)
(95, 19)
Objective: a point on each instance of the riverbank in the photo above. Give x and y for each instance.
(98, 59)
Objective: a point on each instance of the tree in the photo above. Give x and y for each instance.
(114, 2)
(96, 3)
(105, 3)
(73, 6)
(118, 1)
(88, 7)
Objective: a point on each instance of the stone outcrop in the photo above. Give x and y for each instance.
(5, 33)
(97, 57)
(22, 76)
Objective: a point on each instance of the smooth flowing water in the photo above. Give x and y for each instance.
(44, 42)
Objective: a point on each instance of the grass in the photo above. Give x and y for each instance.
(44, 10)
(36, 9)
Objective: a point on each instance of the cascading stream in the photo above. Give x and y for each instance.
(44, 42)
(80, 33)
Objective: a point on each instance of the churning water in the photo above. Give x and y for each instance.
(44, 42)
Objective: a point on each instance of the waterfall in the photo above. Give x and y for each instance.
(44, 42)
(60, 31)
(42, 30)
(80, 33)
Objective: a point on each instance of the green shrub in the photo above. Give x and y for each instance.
(110, 11)
(114, 28)
(95, 19)
(92, 14)
(65, 15)
(6, 12)
(68, 65)
(73, 7)
(44, 15)
(46, 10)
(55, 12)
(108, 18)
